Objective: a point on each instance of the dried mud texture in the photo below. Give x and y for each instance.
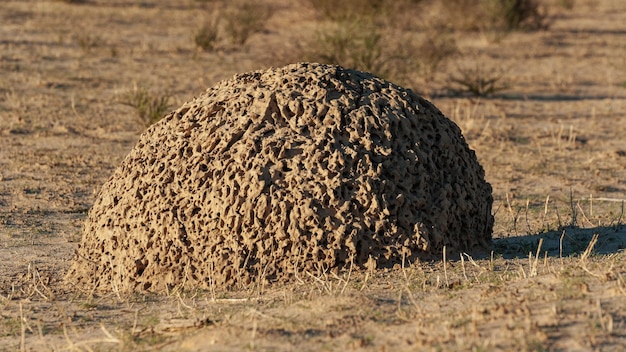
(269, 174)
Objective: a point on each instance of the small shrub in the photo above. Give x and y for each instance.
(518, 14)
(244, 19)
(207, 35)
(478, 81)
(363, 46)
(88, 42)
(150, 108)
(366, 46)
(494, 15)
(433, 51)
(350, 44)
(386, 13)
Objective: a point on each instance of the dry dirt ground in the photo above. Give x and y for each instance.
(552, 144)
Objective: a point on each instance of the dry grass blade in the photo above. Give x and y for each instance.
(463, 267)
(445, 267)
(326, 286)
(621, 283)
(109, 339)
(534, 264)
(347, 279)
(233, 300)
(606, 320)
(589, 249)
(23, 327)
(585, 256)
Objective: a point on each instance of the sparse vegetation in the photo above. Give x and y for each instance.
(494, 15)
(479, 81)
(365, 45)
(543, 288)
(434, 50)
(65, 135)
(349, 45)
(150, 106)
(87, 42)
(348, 10)
(206, 37)
(504, 15)
(517, 14)
(362, 37)
(244, 19)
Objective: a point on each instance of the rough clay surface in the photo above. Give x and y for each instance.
(307, 167)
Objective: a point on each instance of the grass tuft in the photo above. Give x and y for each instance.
(477, 81)
(206, 37)
(494, 15)
(88, 42)
(245, 19)
(151, 107)
(365, 45)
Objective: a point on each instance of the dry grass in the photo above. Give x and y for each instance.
(229, 25)
(478, 81)
(516, 304)
(551, 144)
(244, 19)
(378, 45)
(151, 107)
(207, 36)
(348, 10)
(495, 15)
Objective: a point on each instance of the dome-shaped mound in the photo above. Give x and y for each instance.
(301, 168)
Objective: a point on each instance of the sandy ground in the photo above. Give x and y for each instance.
(552, 145)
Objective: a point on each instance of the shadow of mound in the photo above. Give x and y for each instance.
(565, 242)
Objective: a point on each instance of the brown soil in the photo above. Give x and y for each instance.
(551, 144)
